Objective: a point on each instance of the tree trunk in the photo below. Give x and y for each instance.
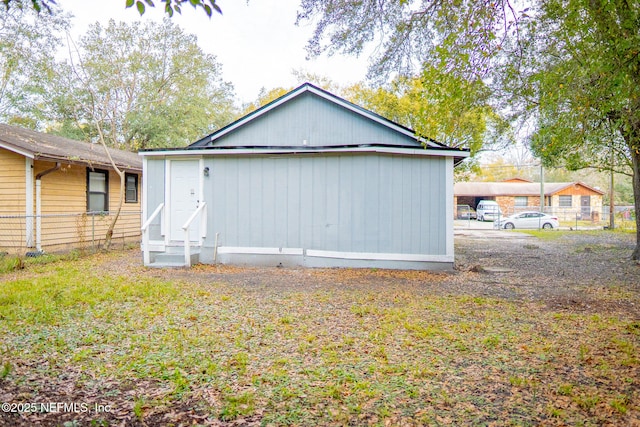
(108, 237)
(635, 157)
(631, 134)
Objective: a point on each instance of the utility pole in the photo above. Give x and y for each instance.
(541, 188)
(612, 221)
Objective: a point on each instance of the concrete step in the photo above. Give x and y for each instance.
(163, 260)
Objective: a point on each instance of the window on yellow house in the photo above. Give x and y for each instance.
(97, 190)
(131, 188)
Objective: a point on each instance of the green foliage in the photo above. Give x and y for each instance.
(132, 81)
(26, 61)
(264, 97)
(440, 54)
(437, 105)
(5, 370)
(237, 405)
(581, 79)
(171, 6)
(441, 107)
(37, 5)
(462, 37)
(583, 84)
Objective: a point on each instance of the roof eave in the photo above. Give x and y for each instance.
(457, 154)
(18, 150)
(35, 155)
(86, 162)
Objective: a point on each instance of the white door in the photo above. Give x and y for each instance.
(184, 198)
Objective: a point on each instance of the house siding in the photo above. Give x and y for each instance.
(315, 120)
(64, 204)
(12, 183)
(576, 190)
(595, 203)
(155, 191)
(12, 189)
(347, 203)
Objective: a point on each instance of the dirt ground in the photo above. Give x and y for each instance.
(580, 272)
(572, 272)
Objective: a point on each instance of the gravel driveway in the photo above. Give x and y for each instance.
(574, 270)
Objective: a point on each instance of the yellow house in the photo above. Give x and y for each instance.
(57, 193)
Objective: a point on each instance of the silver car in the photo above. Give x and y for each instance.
(529, 220)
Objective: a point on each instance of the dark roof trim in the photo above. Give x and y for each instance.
(458, 154)
(309, 148)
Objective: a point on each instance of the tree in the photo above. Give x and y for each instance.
(568, 68)
(462, 36)
(137, 87)
(584, 88)
(324, 82)
(37, 5)
(498, 168)
(264, 97)
(437, 105)
(170, 6)
(146, 86)
(26, 62)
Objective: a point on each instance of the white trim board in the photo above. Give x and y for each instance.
(373, 256)
(259, 251)
(368, 256)
(29, 198)
(17, 150)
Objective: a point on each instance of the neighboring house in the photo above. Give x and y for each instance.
(309, 179)
(57, 193)
(566, 199)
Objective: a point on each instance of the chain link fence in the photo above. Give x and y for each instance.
(62, 232)
(587, 218)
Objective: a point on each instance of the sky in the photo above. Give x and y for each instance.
(258, 44)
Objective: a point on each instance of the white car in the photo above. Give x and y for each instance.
(530, 220)
(488, 210)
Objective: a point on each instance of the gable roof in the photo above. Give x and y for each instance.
(417, 141)
(43, 146)
(288, 125)
(479, 189)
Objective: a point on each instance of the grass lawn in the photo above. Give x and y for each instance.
(194, 349)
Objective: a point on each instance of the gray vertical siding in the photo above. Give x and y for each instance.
(154, 188)
(346, 203)
(318, 121)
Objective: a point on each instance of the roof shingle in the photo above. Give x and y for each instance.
(43, 146)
